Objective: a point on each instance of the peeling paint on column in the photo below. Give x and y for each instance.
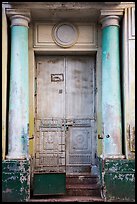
(111, 96)
(18, 103)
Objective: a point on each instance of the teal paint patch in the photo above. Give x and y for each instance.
(19, 65)
(15, 180)
(49, 184)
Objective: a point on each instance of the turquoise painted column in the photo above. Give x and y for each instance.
(111, 96)
(18, 97)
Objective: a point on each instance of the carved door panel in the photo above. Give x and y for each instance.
(65, 139)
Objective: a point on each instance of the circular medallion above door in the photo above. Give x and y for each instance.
(65, 34)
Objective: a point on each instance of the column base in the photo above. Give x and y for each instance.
(15, 180)
(115, 156)
(16, 157)
(117, 177)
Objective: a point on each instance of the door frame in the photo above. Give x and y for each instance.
(97, 103)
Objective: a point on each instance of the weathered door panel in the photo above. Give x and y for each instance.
(80, 150)
(80, 87)
(50, 112)
(80, 110)
(50, 87)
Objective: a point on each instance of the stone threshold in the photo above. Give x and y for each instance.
(67, 199)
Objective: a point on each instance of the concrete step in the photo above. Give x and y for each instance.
(67, 199)
(82, 185)
(81, 179)
(83, 190)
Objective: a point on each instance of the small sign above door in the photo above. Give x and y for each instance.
(57, 77)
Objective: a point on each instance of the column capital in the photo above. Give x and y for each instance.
(110, 16)
(109, 21)
(19, 20)
(19, 17)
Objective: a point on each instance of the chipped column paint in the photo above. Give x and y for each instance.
(15, 180)
(111, 98)
(18, 104)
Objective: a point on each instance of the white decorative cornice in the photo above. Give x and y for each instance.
(14, 11)
(111, 12)
(112, 3)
